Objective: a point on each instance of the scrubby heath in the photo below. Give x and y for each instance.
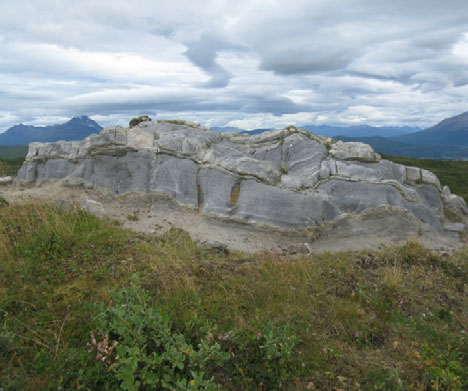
(11, 159)
(86, 305)
(9, 167)
(13, 151)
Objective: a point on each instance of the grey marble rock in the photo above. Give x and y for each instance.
(287, 179)
(221, 201)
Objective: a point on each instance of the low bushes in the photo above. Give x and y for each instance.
(136, 347)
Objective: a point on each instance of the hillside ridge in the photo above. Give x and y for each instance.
(451, 131)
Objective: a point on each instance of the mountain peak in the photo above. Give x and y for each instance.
(453, 124)
(462, 115)
(450, 131)
(76, 128)
(84, 120)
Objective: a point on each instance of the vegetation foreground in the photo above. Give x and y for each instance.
(87, 305)
(9, 167)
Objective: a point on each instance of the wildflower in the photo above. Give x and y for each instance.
(224, 337)
(103, 349)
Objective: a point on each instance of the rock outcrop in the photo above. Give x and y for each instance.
(289, 180)
(6, 180)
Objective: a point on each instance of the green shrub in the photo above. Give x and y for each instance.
(135, 121)
(262, 359)
(444, 372)
(142, 350)
(136, 347)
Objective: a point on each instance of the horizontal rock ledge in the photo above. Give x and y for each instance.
(285, 179)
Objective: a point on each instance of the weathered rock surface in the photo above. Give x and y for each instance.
(6, 180)
(288, 180)
(92, 206)
(354, 151)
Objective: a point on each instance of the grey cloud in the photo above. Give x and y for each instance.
(390, 59)
(274, 105)
(185, 101)
(316, 51)
(334, 36)
(304, 60)
(203, 53)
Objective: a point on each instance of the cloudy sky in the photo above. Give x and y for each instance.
(245, 63)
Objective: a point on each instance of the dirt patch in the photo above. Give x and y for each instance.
(156, 214)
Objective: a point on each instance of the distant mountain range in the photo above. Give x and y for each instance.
(332, 131)
(450, 131)
(227, 129)
(256, 131)
(233, 129)
(360, 130)
(76, 129)
(446, 140)
(391, 147)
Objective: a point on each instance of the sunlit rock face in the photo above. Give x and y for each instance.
(287, 179)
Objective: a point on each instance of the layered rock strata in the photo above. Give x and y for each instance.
(287, 179)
